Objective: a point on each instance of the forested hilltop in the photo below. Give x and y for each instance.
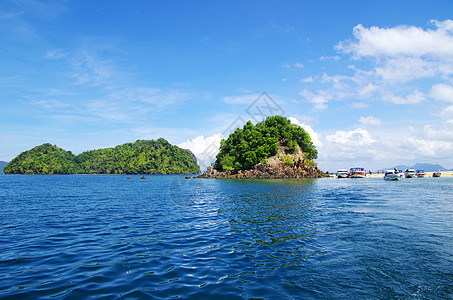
(140, 157)
(274, 148)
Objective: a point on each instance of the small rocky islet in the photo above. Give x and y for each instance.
(272, 149)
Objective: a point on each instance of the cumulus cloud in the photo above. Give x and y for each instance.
(204, 148)
(401, 40)
(370, 120)
(356, 137)
(443, 92)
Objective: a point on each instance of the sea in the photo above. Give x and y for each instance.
(167, 237)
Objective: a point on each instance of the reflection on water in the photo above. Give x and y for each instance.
(272, 223)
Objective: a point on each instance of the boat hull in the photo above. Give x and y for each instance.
(392, 177)
(357, 176)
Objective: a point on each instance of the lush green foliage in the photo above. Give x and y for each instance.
(252, 144)
(44, 159)
(140, 157)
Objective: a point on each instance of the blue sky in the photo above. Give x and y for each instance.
(371, 81)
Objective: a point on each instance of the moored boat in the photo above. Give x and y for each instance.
(437, 174)
(409, 173)
(420, 173)
(342, 173)
(392, 175)
(357, 173)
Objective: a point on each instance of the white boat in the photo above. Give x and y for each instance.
(420, 173)
(391, 175)
(357, 173)
(409, 173)
(342, 173)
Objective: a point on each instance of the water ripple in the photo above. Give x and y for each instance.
(76, 237)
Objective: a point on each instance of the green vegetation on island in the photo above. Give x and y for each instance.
(140, 157)
(253, 144)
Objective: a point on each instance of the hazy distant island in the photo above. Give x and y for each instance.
(274, 148)
(140, 157)
(2, 165)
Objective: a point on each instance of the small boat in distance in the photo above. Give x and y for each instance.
(392, 175)
(420, 173)
(437, 174)
(357, 173)
(342, 173)
(409, 173)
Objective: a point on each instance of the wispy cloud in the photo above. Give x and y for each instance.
(92, 70)
(56, 54)
(241, 99)
(370, 120)
(10, 15)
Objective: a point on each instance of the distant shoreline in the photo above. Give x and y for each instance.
(428, 174)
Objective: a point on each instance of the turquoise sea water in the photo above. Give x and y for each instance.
(75, 237)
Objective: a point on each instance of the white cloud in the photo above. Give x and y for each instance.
(356, 137)
(403, 69)
(430, 148)
(447, 112)
(315, 137)
(442, 92)
(414, 98)
(370, 120)
(50, 103)
(401, 40)
(319, 101)
(298, 65)
(336, 57)
(308, 79)
(90, 70)
(359, 105)
(204, 148)
(368, 90)
(56, 54)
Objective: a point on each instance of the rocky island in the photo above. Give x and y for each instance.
(274, 148)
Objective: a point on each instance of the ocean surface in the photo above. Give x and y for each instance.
(109, 237)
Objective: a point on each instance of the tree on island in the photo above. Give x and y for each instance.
(253, 144)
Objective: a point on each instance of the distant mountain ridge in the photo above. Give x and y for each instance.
(2, 165)
(423, 166)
